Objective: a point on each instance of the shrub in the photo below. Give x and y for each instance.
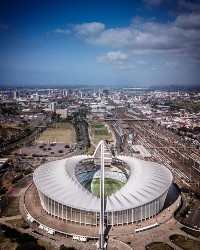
(25, 238)
(28, 171)
(30, 245)
(63, 247)
(60, 151)
(17, 178)
(11, 232)
(3, 190)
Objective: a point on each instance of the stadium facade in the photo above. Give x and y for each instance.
(63, 194)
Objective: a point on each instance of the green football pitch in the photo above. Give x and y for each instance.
(110, 186)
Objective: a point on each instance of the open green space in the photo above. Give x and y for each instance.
(16, 222)
(185, 243)
(99, 132)
(158, 246)
(57, 132)
(65, 125)
(12, 209)
(97, 125)
(110, 186)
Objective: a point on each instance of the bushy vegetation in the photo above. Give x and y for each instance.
(17, 178)
(191, 232)
(183, 242)
(158, 246)
(25, 241)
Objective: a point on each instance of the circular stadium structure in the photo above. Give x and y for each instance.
(134, 189)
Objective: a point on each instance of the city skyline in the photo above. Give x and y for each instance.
(127, 43)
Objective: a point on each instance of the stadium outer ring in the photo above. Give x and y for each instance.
(141, 198)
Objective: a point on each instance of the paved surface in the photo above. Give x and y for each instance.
(126, 234)
(117, 235)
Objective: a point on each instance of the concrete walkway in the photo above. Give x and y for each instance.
(4, 219)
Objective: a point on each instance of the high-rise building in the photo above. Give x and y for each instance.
(16, 94)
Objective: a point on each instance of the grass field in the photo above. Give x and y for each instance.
(110, 186)
(99, 132)
(12, 209)
(191, 232)
(185, 243)
(57, 132)
(158, 246)
(16, 222)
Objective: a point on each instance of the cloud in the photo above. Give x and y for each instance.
(142, 63)
(86, 29)
(3, 26)
(171, 65)
(117, 59)
(62, 31)
(188, 21)
(180, 37)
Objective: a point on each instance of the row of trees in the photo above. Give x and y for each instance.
(81, 126)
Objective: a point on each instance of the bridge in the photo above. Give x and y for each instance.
(125, 120)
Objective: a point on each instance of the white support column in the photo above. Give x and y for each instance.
(102, 212)
(112, 219)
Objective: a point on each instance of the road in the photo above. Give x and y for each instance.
(34, 134)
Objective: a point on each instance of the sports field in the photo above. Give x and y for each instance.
(99, 132)
(57, 132)
(110, 186)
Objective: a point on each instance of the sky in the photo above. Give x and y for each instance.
(93, 42)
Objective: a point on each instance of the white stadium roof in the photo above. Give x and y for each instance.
(147, 181)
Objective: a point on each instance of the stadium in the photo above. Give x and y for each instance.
(134, 189)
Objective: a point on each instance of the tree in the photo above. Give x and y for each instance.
(11, 232)
(30, 245)
(26, 238)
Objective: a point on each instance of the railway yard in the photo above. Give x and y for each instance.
(163, 145)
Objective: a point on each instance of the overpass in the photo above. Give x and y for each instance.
(125, 120)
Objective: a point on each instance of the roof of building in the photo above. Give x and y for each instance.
(147, 181)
